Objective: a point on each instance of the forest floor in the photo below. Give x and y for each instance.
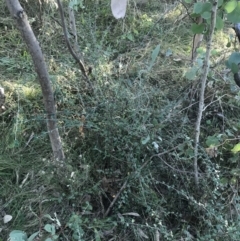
(132, 135)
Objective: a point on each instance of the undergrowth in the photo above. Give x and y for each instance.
(136, 128)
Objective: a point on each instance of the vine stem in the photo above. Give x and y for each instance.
(203, 87)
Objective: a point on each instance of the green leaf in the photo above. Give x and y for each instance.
(97, 235)
(87, 206)
(48, 239)
(234, 68)
(206, 15)
(198, 28)
(219, 23)
(230, 6)
(187, 1)
(154, 55)
(197, 7)
(195, 15)
(234, 16)
(200, 7)
(33, 236)
(236, 148)
(214, 52)
(220, 2)
(48, 216)
(234, 58)
(224, 181)
(191, 73)
(207, 7)
(234, 159)
(201, 50)
(17, 235)
(168, 53)
(55, 237)
(212, 141)
(50, 228)
(146, 140)
(130, 37)
(235, 172)
(233, 62)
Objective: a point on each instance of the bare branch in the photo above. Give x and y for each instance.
(79, 61)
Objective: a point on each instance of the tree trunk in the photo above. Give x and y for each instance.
(24, 27)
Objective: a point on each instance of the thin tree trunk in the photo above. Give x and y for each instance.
(203, 86)
(24, 27)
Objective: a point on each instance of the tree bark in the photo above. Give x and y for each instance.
(24, 27)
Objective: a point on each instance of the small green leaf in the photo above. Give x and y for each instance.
(229, 133)
(235, 172)
(234, 159)
(236, 148)
(168, 53)
(33, 236)
(219, 23)
(55, 236)
(191, 73)
(195, 15)
(130, 37)
(224, 181)
(48, 239)
(234, 16)
(17, 235)
(206, 15)
(234, 58)
(48, 216)
(198, 28)
(201, 50)
(154, 55)
(50, 228)
(187, 1)
(234, 68)
(207, 7)
(97, 235)
(220, 2)
(233, 62)
(230, 6)
(198, 7)
(146, 140)
(208, 122)
(212, 141)
(87, 206)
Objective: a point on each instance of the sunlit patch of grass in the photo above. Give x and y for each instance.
(175, 11)
(31, 93)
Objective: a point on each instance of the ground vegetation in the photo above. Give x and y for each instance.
(128, 130)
